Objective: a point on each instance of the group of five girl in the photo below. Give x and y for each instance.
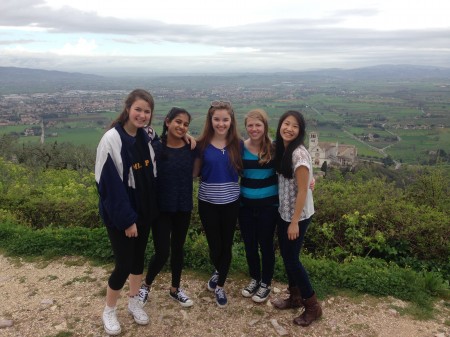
(145, 183)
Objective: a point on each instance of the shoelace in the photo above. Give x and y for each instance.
(261, 291)
(253, 284)
(220, 293)
(215, 278)
(182, 296)
(143, 293)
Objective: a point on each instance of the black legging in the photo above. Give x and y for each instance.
(128, 253)
(219, 223)
(169, 235)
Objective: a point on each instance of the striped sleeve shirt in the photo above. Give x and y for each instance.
(259, 183)
(219, 179)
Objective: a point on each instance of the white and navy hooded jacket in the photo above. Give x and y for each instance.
(118, 163)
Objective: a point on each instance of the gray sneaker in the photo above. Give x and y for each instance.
(182, 298)
(250, 289)
(262, 294)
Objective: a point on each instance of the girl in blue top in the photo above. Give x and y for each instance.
(259, 205)
(219, 164)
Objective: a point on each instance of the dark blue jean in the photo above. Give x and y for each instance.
(257, 226)
(290, 252)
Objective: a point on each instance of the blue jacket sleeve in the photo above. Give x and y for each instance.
(114, 205)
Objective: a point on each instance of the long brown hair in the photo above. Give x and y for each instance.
(131, 98)
(233, 139)
(266, 149)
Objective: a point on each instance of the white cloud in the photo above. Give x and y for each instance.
(83, 47)
(204, 35)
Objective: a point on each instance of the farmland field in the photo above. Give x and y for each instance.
(407, 119)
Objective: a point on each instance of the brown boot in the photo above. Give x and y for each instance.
(293, 301)
(313, 311)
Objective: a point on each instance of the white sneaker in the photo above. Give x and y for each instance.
(110, 322)
(135, 309)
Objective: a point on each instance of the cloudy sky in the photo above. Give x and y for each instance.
(208, 36)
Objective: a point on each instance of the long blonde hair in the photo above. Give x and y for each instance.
(266, 149)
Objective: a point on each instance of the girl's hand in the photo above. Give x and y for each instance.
(131, 232)
(293, 231)
(191, 140)
(312, 184)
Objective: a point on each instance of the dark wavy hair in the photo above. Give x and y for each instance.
(283, 156)
(171, 115)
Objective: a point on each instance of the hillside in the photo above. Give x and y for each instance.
(26, 80)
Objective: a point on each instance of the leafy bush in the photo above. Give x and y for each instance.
(359, 214)
(50, 197)
(376, 219)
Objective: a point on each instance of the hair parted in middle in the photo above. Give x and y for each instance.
(266, 150)
(233, 138)
(171, 115)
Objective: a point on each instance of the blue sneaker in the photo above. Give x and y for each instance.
(221, 297)
(212, 283)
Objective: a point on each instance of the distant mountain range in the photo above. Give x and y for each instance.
(25, 80)
(387, 71)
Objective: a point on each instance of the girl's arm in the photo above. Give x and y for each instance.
(302, 179)
(197, 166)
(190, 140)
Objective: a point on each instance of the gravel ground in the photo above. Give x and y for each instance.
(65, 297)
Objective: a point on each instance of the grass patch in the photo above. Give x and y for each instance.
(80, 279)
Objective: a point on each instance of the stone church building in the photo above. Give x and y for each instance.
(331, 152)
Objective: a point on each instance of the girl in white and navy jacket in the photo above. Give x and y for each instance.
(125, 174)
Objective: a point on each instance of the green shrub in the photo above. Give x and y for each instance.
(376, 219)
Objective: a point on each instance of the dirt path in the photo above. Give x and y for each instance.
(64, 298)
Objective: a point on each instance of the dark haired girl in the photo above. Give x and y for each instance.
(294, 167)
(175, 160)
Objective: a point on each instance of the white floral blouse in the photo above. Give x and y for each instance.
(287, 188)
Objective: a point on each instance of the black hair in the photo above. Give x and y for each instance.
(171, 115)
(283, 156)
